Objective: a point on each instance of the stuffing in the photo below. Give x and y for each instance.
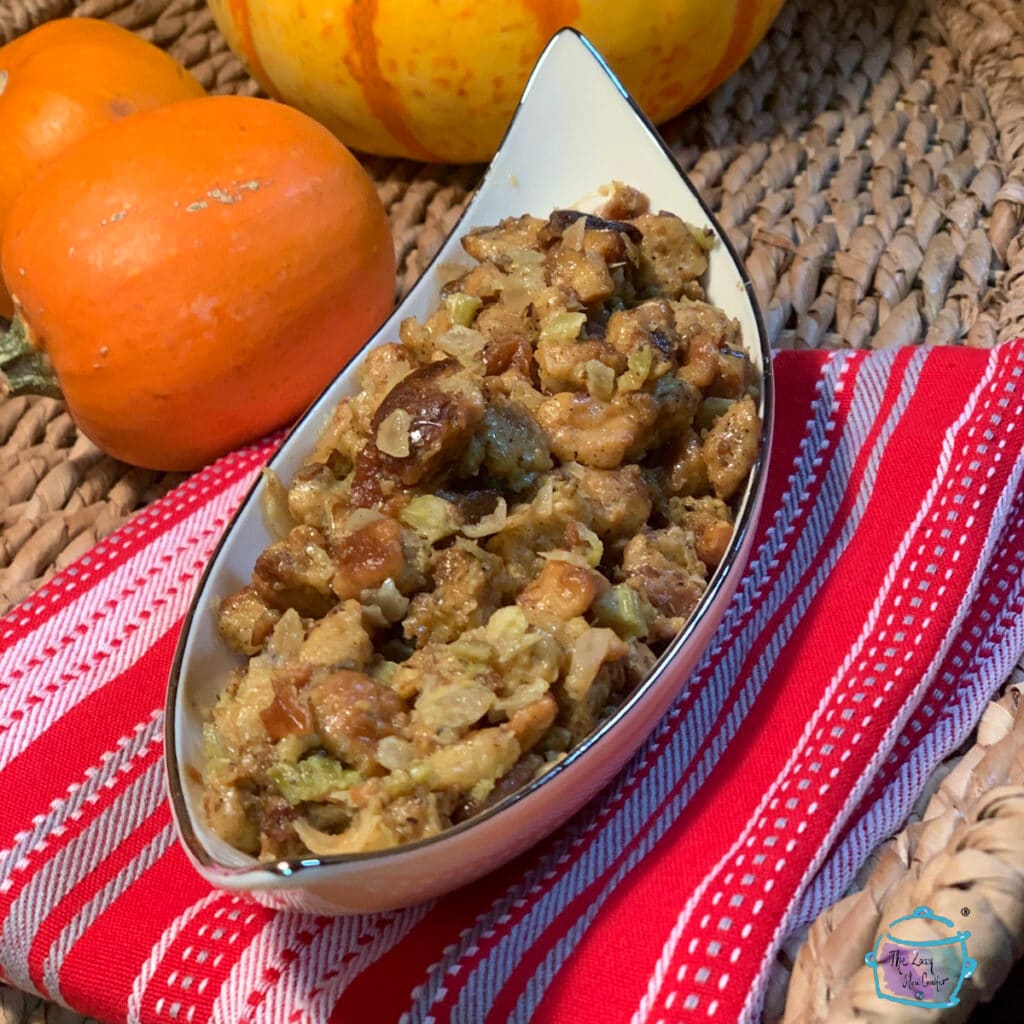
(490, 543)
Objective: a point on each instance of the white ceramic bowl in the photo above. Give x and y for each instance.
(575, 130)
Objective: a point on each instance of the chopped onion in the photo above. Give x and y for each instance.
(705, 236)
(286, 637)
(632, 249)
(520, 255)
(562, 555)
(544, 503)
(572, 236)
(394, 753)
(393, 434)
(586, 551)
(516, 297)
(274, 502)
(593, 548)
(368, 831)
(431, 516)
(462, 343)
(386, 599)
(360, 517)
(593, 648)
(454, 705)
(600, 380)
(563, 326)
(492, 523)
(462, 308)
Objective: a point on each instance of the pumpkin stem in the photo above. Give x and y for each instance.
(24, 369)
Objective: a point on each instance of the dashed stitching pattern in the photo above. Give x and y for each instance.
(99, 655)
(524, 894)
(877, 661)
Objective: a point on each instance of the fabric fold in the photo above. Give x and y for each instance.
(874, 619)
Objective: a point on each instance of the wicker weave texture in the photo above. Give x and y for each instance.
(961, 849)
(868, 164)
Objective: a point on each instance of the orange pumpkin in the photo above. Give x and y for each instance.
(63, 80)
(439, 79)
(195, 275)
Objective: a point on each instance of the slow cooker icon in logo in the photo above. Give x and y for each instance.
(921, 960)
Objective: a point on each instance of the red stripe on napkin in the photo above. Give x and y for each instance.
(123, 940)
(881, 557)
(107, 716)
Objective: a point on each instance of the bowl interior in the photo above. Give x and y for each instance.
(575, 130)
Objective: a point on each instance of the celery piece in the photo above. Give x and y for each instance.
(600, 380)
(704, 237)
(313, 779)
(619, 609)
(563, 326)
(430, 516)
(462, 308)
(639, 363)
(711, 410)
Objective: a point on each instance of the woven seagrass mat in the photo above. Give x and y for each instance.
(868, 163)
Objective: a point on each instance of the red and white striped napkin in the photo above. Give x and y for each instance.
(881, 607)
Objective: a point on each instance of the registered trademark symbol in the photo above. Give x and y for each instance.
(965, 911)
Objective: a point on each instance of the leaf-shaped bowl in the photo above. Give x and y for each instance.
(575, 129)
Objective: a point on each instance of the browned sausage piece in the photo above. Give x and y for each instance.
(351, 712)
(468, 587)
(651, 325)
(510, 338)
(561, 591)
(585, 273)
(433, 413)
(367, 557)
(502, 243)
(245, 620)
(670, 256)
(296, 573)
(730, 448)
(620, 500)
